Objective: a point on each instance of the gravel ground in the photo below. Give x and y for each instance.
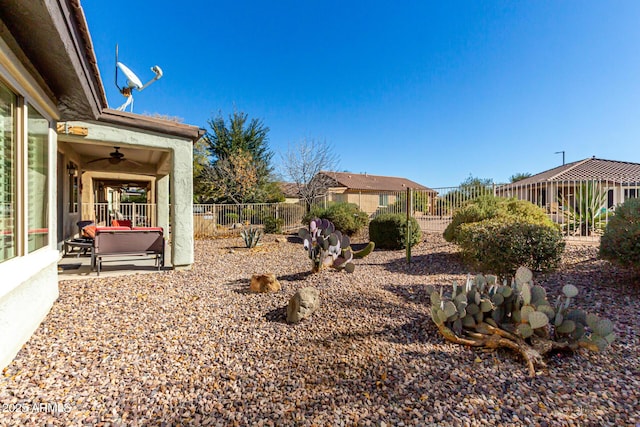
(195, 348)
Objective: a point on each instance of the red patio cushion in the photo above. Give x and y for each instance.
(89, 231)
(148, 228)
(121, 223)
(119, 228)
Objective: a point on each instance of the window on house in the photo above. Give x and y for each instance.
(384, 200)
(37, 179)
(8, 194)
(631, 193)
(609, 199)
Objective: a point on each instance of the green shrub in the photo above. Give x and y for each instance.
(346, 217)
(273, 225)
(232, 218)
(488, 207)
(248, 215)
(501, 245)
(620, 242)
(389, 231)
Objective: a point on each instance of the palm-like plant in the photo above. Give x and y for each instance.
(587, 211)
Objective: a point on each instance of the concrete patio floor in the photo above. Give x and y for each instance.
(75, 265)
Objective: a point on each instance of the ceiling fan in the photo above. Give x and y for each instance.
(115, 158)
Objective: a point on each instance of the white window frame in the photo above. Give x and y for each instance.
(25, 265)
(383, 200)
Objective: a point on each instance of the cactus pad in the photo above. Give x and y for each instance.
(538, 320)
(566, 327)
(570, 291)
(473, 314)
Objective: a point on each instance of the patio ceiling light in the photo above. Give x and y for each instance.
(72, 169)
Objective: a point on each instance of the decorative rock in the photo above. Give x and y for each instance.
(302, 304)
(264, 283)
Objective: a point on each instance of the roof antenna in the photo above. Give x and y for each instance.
(133, 82)
(558, 152)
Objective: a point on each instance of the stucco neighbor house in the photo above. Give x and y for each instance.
(369, 192)
(54, 121)
(290, 192)
(615, 181)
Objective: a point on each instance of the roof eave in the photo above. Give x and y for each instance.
(139, 121)
(53, 35)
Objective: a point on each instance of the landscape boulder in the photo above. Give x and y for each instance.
(264, 283)
(302, 304)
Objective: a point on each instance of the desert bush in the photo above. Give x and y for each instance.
(620, 242)
(273, 225)
(248, 215)
(488, 207)
(232, 218)
(346, 217)
(389, 231)
(501, 245)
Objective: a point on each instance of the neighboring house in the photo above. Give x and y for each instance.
(613, 181)
(54, 122)
(290, 192)
(370, 192)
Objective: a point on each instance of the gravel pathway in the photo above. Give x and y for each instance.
(195, 348)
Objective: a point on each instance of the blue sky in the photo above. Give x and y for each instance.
(431, 91)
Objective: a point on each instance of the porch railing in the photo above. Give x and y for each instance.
(140, 214)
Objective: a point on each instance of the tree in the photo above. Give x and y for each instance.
(234, 177)
(473, 187)
(519, 176)
(238, 135)
(470, 189)
(302, 164)
(233, 163)
(200, 163)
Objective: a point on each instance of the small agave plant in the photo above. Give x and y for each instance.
(251, 236)
(328, 247)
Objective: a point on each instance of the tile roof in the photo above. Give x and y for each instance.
(366, 182)
(587, 169)
(289, 189)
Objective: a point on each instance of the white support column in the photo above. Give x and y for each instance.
(162, 204)
(182, 207)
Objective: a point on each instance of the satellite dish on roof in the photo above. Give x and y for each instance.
(133, 82)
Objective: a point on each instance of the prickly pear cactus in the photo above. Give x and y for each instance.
(328, 247)
(517, 316)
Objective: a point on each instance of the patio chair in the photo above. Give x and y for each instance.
(83, 242)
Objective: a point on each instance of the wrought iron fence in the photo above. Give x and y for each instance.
(217, 219)
(581, 208)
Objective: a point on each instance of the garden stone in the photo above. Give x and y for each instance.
(264, 283)
(302, 304)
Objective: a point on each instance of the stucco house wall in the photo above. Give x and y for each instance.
(29, 278)
(368, 202)
(47, 67)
